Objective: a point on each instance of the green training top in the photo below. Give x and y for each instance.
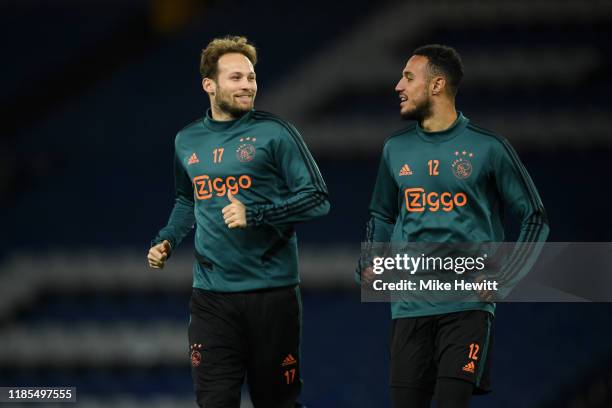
(264, 162)
(451, 186)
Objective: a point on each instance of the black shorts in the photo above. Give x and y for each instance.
(454, 345)
(254, 333)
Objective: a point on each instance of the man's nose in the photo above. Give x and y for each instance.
(399, 87)
(246, 84)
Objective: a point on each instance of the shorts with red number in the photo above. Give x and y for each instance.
(453, 345)
(254, 334)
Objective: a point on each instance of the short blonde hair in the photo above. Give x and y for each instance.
(220, 46)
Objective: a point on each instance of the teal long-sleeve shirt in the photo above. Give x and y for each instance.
(453, 186)
(266, 165)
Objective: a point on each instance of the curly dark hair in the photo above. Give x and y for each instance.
(220, 46)
(444, 61)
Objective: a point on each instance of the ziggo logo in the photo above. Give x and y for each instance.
(204, 187)
(417, 200)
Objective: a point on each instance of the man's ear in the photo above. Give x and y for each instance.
(438, 84)
(209, 86)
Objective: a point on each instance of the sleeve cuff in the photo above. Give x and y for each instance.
(254, 216)
(357, 277)
(159, 240)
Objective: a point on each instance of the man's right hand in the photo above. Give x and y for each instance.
(367, 275)
(158, 254)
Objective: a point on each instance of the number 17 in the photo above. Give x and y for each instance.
(218, 155)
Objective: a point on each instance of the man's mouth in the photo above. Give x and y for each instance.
(403, 99)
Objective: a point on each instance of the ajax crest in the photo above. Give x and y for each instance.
(195, 355)
(246, 151)
(462, 166)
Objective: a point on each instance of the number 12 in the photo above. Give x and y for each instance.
(474, 347)
(433, 167)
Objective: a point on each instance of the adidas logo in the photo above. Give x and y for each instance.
(193, 159)
(469, 367)
(405, 171)
(289, 360)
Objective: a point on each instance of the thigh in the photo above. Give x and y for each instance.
(406, 397)
(217, 349)
(463, 347)
(412, 353)
(274, 357)
(453, 393)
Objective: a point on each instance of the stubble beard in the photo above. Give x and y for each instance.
(421, 112)
(232, 109)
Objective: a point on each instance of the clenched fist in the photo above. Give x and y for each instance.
(158, 254)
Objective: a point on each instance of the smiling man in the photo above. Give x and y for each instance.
(444, 179)
(245, 178)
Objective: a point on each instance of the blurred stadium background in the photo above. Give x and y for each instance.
(94, 91)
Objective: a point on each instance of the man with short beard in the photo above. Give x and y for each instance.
(245, 178)
(444, 180)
